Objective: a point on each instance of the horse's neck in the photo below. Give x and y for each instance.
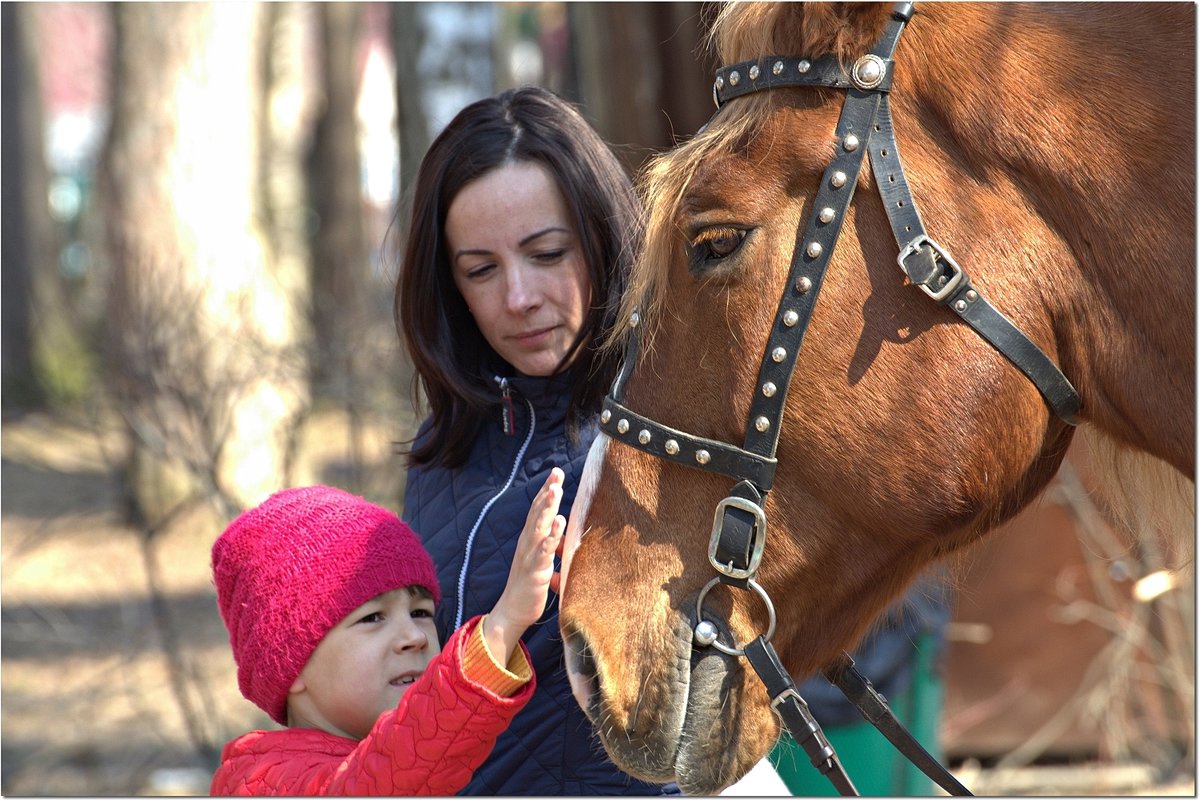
(1105, 166)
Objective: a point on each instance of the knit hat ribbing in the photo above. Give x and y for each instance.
(289, 570)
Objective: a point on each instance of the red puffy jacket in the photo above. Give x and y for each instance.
(430, 744)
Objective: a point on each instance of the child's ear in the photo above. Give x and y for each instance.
(298, 686)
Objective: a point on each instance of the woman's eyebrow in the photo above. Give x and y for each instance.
(552, 229)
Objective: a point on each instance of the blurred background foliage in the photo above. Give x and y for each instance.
(201, 200)
(202, 208)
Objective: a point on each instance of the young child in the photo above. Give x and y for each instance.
(329, 602)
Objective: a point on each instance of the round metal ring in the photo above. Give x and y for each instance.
(754, 585)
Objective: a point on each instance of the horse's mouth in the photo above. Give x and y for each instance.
(684, 725)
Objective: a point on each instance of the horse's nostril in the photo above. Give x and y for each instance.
(582, 672)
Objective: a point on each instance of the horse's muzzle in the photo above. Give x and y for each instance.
(581, 672)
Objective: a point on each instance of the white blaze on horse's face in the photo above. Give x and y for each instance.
(592, 469)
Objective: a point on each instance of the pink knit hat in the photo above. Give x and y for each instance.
(289, 570)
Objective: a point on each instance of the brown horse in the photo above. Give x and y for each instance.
(1050, 148)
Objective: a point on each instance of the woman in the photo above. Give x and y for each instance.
(523, 229)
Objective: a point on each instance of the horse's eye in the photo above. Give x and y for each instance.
(714, 244)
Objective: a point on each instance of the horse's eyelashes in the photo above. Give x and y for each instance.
(711, 246)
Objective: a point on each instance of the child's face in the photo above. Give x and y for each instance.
(364, 664)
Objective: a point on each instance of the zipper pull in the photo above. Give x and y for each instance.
(508, 418)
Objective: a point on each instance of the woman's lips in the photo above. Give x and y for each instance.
(535, 337)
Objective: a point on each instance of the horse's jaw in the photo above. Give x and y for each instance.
(691, 721)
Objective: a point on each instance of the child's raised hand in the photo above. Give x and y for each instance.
(532, 573)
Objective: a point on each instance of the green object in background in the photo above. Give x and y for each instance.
(873, 763)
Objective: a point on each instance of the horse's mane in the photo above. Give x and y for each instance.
(741, 31)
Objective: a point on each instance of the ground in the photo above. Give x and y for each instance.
(92, 705)
(91, 702)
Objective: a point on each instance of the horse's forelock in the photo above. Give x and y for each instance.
(742, 30)
(746, 30)
(663, 185)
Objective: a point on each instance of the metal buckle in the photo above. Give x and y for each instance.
(760, 538)
(790, 692)
(956, 276)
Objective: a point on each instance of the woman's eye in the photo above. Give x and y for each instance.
(550, 256)
(714, 244)
(480, 271)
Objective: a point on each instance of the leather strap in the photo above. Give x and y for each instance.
(875, 710)
(810, 260)
(773, 72)
(796, 716)
(627, 426)
(926, 263)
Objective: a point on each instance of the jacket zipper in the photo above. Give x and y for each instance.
(505, 392)
(508, 420)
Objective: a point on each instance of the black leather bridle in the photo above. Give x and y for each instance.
(739, 526)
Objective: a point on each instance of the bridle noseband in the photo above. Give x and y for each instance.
(739, 527)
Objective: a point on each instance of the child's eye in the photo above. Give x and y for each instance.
(422, 612)
(374, 617)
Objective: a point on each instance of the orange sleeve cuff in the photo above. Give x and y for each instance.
(481, 667)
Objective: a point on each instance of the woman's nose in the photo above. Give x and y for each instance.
(523, 290)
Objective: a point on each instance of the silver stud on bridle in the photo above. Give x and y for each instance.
(868, 71)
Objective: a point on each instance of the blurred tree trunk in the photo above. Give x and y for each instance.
(412, 130)
(341, 262)
(26, 229)
(411, 120)
(644, 78)
(201, 331)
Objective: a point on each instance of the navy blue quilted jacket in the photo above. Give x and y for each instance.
(470, 519)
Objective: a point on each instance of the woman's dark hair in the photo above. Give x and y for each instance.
(530, 124)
